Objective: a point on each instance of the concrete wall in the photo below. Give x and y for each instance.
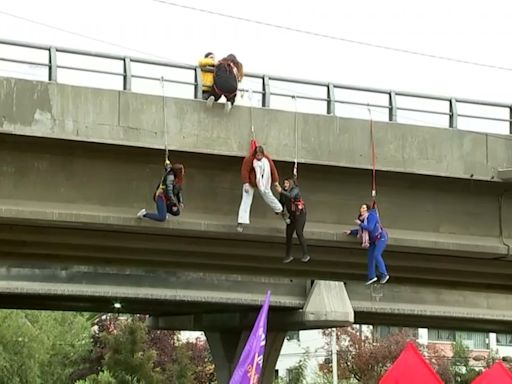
(63, 111)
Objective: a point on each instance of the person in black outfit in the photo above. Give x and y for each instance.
(168, 195)
(228, 73)
(291, 199)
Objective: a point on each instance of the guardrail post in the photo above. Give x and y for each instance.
(265, 99)
(127, 80)
(453, 113)
(510, 118)
(52, 64)
(392, 106)
(198, 88)
(331, 99)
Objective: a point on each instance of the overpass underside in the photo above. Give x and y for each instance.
(72, 205)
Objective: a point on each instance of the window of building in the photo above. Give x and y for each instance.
(504, 339)
(386, 330)
(472, 340)
(293, 335)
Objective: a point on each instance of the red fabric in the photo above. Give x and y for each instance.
(253, 146)
(248, 175)
(410, 368)
(497, 374)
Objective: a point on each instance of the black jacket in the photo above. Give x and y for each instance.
(172, 192)
(292, 201)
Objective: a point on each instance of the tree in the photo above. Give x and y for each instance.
(363, 358)
(462, 372)
(127, 358)
(41, 347)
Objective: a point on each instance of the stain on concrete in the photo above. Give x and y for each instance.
(22, 101)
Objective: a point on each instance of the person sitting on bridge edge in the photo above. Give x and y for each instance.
(258, 171)
(228, 73)
(291, 199)
(378, 238)
(168, 195)
(207, 65)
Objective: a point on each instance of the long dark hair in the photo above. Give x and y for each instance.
(179, 173)
(233, 60)
(258, 149)
(292, 181)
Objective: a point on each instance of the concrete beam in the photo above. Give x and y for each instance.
(431, 306)
(126, 118)
(505, 174)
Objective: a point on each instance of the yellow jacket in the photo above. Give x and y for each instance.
(207, 76)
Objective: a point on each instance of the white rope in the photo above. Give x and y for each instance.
(251, 108)
(295, 167)
(162, 83)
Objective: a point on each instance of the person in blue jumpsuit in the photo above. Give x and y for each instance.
(378, 241)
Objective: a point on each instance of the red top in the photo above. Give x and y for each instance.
(248, 174)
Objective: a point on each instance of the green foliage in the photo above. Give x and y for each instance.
(41, 347)
(127, 358)
(104, 377)
(462, 372)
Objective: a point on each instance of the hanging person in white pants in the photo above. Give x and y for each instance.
(258, 171)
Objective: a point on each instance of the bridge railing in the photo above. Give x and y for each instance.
(330, 98)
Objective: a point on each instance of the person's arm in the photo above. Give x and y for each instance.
(273, 171)
(179, 195)
(207, 62)
(246, 169)
(169, 186)
(370, 224)
(351, 232)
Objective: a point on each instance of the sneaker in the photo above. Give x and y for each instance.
(285, 217)
(287, 259)
(209, 102)
(384, 279)
(239, 228)
(227, 107)
(305, 258)
(141, 213)
(371, 281)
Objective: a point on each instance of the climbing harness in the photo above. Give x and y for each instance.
(295, 165)
(164, 115)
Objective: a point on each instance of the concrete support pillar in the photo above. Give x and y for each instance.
(227, 346)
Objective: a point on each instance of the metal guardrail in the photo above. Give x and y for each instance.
(266, 93)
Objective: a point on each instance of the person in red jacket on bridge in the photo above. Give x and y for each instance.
(258, 171)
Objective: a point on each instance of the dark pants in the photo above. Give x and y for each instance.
(225, 84)
(206, 94)
(375, 257)
(161, 210)
(297, 224)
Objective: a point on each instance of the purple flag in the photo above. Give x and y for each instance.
(248, 369)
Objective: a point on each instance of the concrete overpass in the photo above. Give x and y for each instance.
(78, 163)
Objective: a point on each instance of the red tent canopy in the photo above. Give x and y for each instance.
(411, 368)
(497, 374)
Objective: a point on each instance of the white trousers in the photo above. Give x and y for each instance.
(245, 205)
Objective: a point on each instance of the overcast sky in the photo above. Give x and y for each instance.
(471, 30)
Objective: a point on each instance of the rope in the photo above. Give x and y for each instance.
(252, 120)
(374, 161)
(162, 83)
(295, 166)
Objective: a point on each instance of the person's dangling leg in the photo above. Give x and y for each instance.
(380, 245)
(371, 264)
(245, 205)
(273, 203)
(300, 223)
(290, 228)
(213, 96)
(161, 210)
